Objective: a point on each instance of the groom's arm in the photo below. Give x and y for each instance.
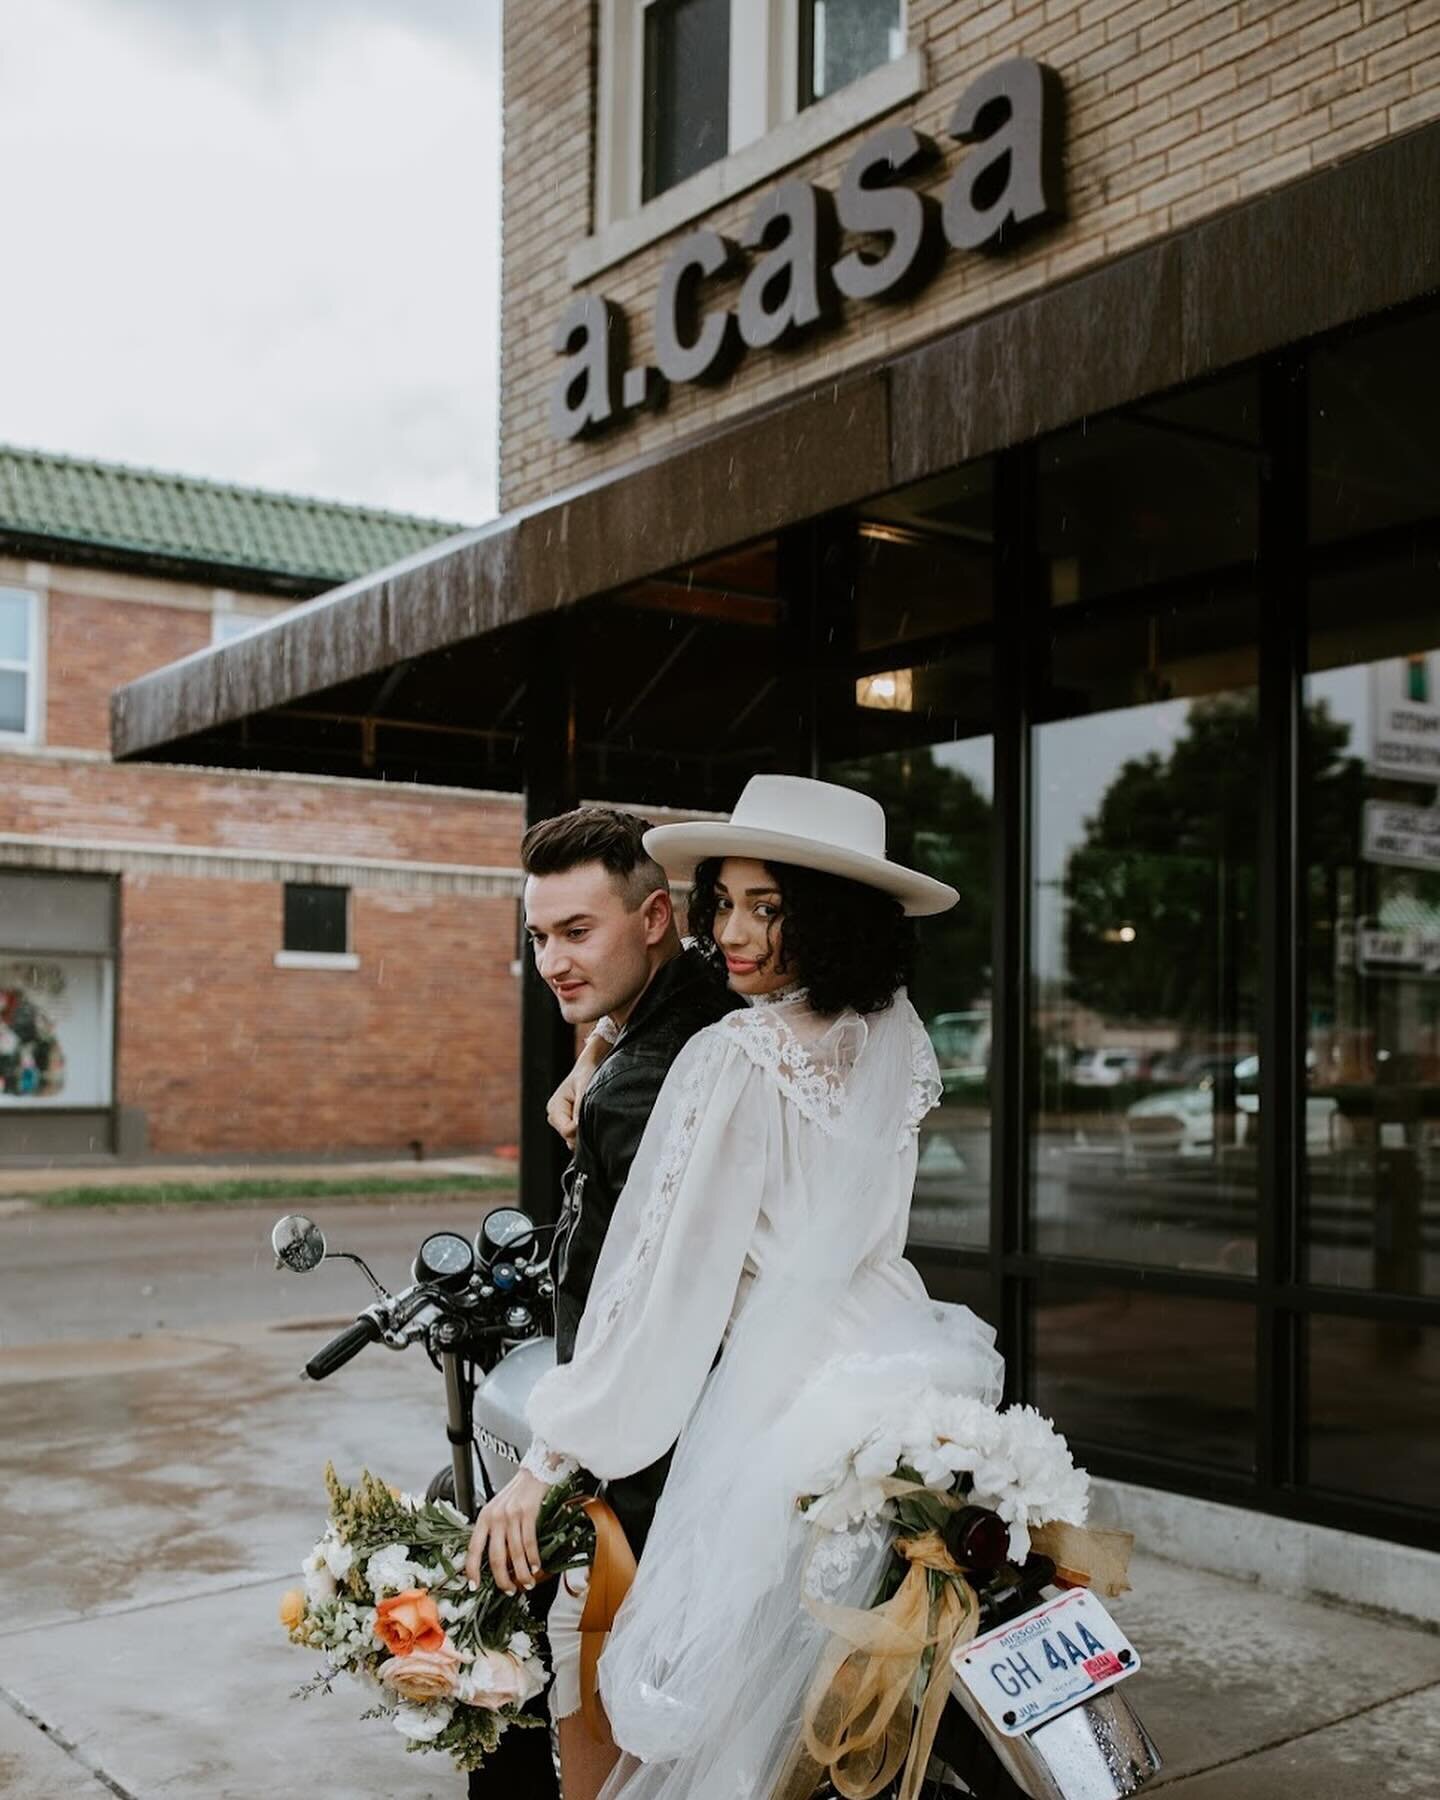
(618, 1113)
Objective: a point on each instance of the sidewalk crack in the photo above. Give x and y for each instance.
(1292, 1737)
(71, 1749)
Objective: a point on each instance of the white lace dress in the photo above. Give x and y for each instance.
(766, 1212)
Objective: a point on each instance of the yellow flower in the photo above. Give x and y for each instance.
(292, 1608)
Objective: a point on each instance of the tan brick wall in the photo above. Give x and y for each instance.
(1175, 109)
(225, 1053)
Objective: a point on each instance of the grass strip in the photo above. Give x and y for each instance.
(188, 1193)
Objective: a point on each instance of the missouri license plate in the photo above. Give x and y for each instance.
(1046, 1661)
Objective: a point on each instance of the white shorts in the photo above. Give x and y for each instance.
(563, 1630)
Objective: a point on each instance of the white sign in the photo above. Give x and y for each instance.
(1404, 721)
(1407, 836)
(1392, 951)
(1046, 1661)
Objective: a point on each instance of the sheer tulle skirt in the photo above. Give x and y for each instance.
(713, 1651)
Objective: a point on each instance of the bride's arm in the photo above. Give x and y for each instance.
(667, 1277)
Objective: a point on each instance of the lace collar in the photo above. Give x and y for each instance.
(790, 996)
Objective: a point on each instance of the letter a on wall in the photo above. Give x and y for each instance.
(591, 337)
(1013, 177)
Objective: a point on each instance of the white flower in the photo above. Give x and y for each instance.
(452, 1611)
(319, 1584)
(521, 1646)
(338, 1556)
(390, 1571)
(844, 1505)
(422, 1723)
(497, 1679)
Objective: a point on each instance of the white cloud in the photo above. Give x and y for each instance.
(256, 241)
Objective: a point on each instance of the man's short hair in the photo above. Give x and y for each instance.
(595, 834)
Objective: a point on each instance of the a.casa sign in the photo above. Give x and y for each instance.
(795, 278)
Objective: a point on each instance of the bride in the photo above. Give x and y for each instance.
(758, 1241)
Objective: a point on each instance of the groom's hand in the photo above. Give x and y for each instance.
(506, 1528)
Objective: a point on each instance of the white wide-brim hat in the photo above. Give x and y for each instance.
(811, 824)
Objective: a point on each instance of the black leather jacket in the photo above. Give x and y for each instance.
(685, 995)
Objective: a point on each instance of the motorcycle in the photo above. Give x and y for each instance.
(1034, 1711)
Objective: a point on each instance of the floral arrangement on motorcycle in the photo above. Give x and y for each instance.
(387, 1600)
(986, 1508)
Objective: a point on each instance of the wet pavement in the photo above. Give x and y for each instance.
(161, 1465)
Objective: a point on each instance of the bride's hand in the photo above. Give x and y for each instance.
(506, 1527)
(563, 1110)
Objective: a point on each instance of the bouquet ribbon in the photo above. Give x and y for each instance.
(873, 1705)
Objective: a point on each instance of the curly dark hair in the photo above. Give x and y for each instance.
(850, 945)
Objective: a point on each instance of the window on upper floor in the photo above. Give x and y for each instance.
(686, 90)
(841, 40)
(685, 85)
(20, 678)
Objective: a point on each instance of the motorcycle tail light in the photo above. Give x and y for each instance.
(977, 1538)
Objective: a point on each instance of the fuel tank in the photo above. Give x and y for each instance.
(501, 1434)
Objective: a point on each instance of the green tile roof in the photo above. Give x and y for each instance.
(107, 505)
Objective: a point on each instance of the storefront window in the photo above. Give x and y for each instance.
(1162, 491)
(1151, 1374)
(687, 89)
(925, 560)
(1372, 781)
(841, 40)
(1144, 1056)
(937, 788)
(1374, 1387)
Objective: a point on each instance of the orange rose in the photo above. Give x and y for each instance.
(423, 1675)
(292, 1608)
(409, 1621)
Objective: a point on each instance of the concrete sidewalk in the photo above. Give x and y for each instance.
(162, 1489)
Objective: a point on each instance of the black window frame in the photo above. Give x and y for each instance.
(291, 918)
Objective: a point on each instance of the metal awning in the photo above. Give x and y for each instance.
(443, 665)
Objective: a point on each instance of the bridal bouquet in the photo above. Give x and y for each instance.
(928, 1459)
(1013, 1461)
(387, 1601)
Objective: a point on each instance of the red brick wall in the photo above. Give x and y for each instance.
(142, 802)
(225, 1053)
(96, 645)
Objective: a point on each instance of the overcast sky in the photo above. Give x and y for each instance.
(256, 240)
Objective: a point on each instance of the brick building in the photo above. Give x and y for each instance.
(1019, 410)
(188, 957)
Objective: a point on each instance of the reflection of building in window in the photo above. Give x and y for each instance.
(841, 40)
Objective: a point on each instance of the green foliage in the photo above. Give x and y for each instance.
(1172, 852)
(939, 822)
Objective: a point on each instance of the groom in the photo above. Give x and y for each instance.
(602, 931)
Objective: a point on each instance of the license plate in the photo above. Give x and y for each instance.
(1046, 1661)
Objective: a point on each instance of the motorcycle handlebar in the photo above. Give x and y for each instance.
(350, 1342)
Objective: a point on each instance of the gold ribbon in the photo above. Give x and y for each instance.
(612, 1571)
(863, 1718)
